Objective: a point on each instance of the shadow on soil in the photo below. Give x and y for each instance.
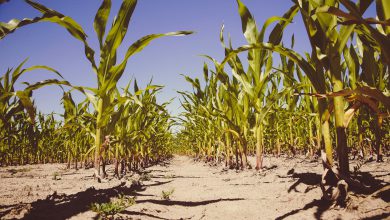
(321, 205)
(158, 183)
(371, 185)
(311, 179)
(65, 206)
(132, 213)
(62, 206)
(185, 203)
(175, 177)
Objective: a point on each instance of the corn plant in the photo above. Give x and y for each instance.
(331, 43)
(108, 70)
(166, 195)
(17, 105)
(110, 209)
(255, 80)
(328, 79)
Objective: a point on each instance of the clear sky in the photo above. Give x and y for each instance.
(164, 59)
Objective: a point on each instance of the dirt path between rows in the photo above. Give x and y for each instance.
(199, 192)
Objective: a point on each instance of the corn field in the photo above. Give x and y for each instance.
(335, 98)
(262, 99)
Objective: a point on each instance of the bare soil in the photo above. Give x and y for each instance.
(200, 191)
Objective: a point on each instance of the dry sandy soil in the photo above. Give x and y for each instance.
(200, 191)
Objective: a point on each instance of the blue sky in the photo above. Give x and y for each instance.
(164, 59)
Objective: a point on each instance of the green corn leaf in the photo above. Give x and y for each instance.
(317, 79)
(100, 21)
(7, 86)
(267, 23)
(352, 64)
(381, 41)
(246, 85)
(249, 27)
(276, 34)
(47, 82)
(15, 75)
(205, 72)
(25, 99)
(119, 28)
(71, 26)
(69, 106)
(383, 12)
(136, 89)
(139, 45)
(153, 87)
